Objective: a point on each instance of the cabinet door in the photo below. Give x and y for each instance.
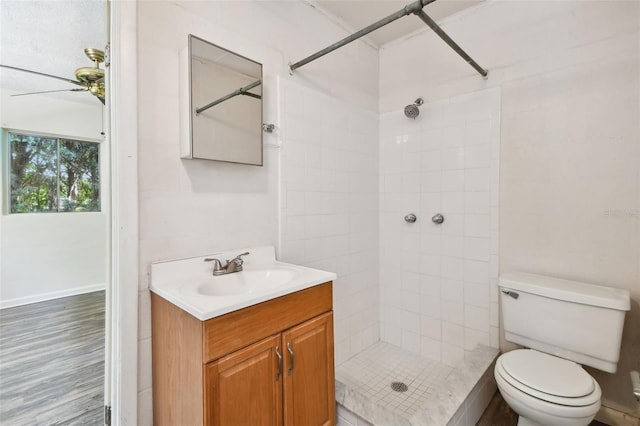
(245, 387)
(309, 385)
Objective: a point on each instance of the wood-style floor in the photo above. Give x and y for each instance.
(498, 413)
(52, 362)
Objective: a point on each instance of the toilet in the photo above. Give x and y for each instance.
(563, 325)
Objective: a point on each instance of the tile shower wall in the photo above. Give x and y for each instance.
(438, 282)
(329, 204)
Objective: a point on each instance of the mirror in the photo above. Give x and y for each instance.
(222, 105)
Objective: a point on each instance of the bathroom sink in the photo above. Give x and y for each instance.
(190, 283)
(246, 282)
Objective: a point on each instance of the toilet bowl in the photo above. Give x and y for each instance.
(547, 390)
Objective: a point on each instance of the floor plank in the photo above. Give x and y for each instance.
(52, 362)
(498, 413)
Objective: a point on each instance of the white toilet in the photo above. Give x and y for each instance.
(565, 324)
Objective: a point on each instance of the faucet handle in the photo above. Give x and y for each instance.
(238, 259)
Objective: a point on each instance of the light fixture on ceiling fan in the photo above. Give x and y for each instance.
(91, 79)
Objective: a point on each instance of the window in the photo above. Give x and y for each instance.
(49, 174)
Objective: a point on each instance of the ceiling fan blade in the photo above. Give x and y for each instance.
(45, 75)
(51, 91)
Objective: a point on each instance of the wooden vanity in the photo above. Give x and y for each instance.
(266, 364)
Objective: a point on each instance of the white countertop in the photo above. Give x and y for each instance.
(177, 281)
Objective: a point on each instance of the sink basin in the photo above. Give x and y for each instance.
(246, 282)
(189, 284)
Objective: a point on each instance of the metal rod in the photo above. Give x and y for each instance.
(253, 95)
(407, 10)
(444, 36)
(240, 91)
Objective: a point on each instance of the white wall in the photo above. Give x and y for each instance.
(438, 282)
(191, 207)
(51, 115)
(44, 256)
(570, 141)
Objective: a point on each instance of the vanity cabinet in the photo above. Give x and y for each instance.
(245, 387)
(267, 364)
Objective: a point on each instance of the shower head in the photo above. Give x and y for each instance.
(412, 111)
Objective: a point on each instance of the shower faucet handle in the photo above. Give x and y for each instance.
(410, 218)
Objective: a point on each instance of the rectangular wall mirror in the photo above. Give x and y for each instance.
(221, 116)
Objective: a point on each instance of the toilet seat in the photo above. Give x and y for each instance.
(548, 378)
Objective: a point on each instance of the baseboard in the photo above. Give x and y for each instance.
(19, 301)
(610, 416)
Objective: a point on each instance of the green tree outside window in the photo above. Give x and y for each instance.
(53, 175)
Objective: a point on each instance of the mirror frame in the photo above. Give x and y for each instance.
(187, 108)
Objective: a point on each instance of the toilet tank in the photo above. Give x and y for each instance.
(573, 320)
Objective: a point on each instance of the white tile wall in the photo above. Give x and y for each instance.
(435, 279)
(329, 206)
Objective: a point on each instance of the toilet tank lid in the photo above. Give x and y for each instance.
(572, 291)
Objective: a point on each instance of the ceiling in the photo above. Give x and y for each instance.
(49, 37)
(361, 13)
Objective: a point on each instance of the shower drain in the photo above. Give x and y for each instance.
(399, 387)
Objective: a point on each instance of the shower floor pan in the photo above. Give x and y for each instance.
(388, 386)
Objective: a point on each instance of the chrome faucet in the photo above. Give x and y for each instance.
(233, 265)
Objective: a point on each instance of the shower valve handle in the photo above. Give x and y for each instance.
(410, 218)
(437, 218)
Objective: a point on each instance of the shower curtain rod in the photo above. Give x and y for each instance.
(412, 8)
(240, 91)
(452, 44)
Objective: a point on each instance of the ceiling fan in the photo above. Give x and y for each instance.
(90, 79)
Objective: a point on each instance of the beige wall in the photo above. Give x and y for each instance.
(49, 255)
(569, 188)
(570, 139)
